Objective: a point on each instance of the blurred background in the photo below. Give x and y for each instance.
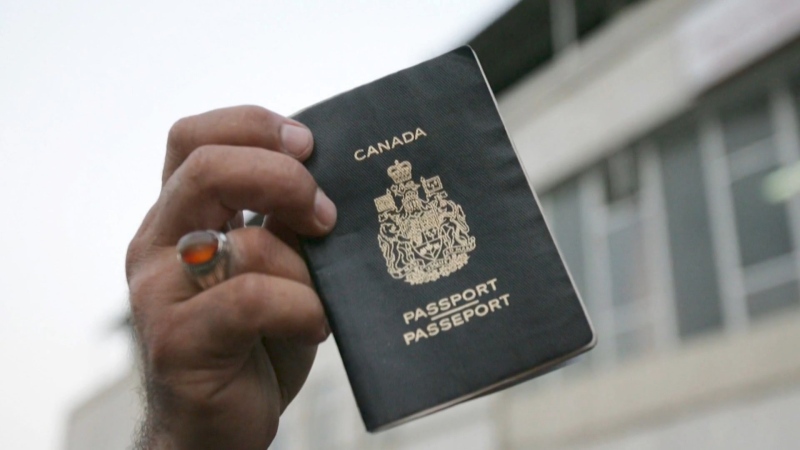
(662, 137)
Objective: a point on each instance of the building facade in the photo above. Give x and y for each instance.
(663, 140)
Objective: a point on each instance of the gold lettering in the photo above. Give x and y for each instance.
(420, 335)
(466, 294)
(445, 324)
(432, 308)
(403, 138)
(467, 314)
(447, 319)
(360, 157)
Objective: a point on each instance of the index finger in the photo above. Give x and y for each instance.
(246, 126)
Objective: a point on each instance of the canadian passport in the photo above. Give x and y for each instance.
(441, 281)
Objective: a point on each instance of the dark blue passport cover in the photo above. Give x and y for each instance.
(441, 281)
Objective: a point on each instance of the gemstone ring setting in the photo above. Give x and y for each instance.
(205, 256)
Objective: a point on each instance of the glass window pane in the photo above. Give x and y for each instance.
(763, 227)
(746, 123)
(566, 221)
(754, 158)
(621, 176)
(697, 297)
(591, 14)
(629, 274)
(773, 300)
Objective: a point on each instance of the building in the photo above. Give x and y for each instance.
(663, 139)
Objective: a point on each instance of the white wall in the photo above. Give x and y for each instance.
(647, 66)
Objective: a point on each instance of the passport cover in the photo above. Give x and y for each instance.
(441, 281)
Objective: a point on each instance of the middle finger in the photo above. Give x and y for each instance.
(217, 181)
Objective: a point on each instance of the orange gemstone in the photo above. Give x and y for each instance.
(199, 253)
(198, 247)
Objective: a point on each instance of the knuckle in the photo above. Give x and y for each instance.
(199, 165)
(179, 133)
(132, 256)
(137, 247)
(249, 290)
(293, 169)
(299, 184)
(256, 114)
(136, 290)
(141, 288)
(267, 247)
(254, 249)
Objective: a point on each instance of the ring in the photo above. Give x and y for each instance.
(205, 256)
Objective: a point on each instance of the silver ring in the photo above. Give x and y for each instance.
(205, 256)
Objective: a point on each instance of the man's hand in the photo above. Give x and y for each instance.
(221, 365)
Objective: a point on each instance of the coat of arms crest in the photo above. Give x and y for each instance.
(422, 240)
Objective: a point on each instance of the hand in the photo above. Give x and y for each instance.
(221, 365)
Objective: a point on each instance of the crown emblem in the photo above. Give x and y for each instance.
(422, 240)
(400, 172)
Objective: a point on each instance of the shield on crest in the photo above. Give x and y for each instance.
(423, 239)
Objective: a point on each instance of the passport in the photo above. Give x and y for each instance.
(441, 281)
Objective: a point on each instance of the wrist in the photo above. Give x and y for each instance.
(193, 430)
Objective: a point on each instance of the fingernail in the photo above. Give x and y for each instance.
(325, 210)
(296, 140)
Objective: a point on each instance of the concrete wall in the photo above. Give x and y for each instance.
(636, 73)
(672, 397)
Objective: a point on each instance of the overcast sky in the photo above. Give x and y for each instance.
(88, 90)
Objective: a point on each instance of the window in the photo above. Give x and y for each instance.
(566, 219)
(726, 256)
(764, 235)
(773, 299)
(592, 14)
(620, 176)
(697, 297)
(565, 216)
(631, 276)
(630, 270)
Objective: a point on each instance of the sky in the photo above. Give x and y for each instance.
(88, 91)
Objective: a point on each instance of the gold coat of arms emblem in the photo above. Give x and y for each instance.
(422, 239)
